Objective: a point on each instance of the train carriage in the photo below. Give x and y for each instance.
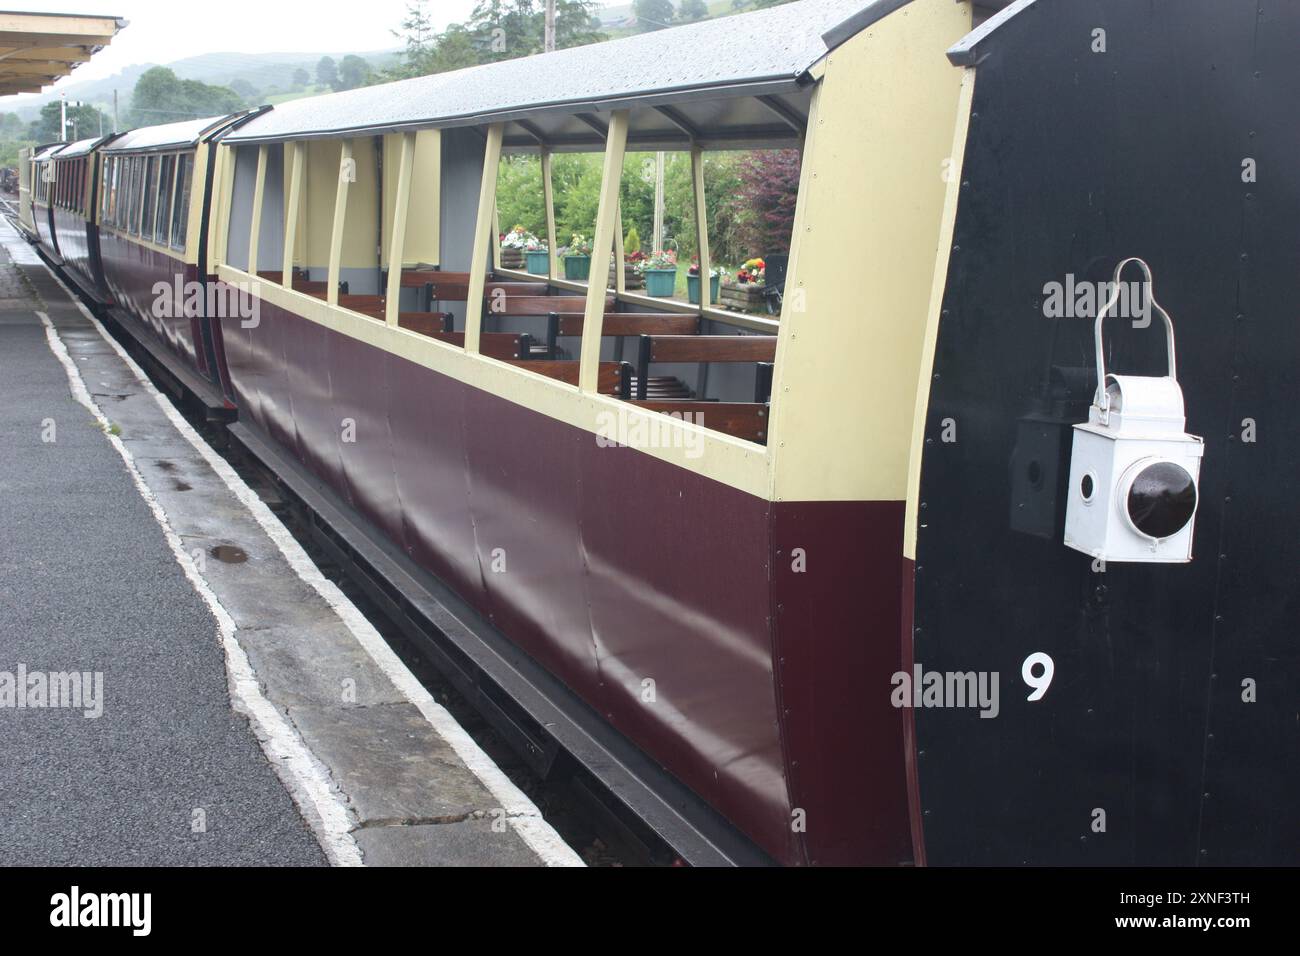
(44, 192)
(72, 213)
(646, 561)
(978, 552)
(152, 216)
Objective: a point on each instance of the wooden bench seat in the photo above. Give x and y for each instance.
(621, 323)
(425, 323)
(542, 304)
(445, 286)
(506, 346)
(371, 305)
(707, 348)
(448, 292)
(300, 281)
(740, 419)
(613, 378)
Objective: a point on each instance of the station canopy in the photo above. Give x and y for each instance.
(38, 48)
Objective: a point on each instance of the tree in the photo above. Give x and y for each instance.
(496, 30)
(83, 121)
(327, 72)
(576, 24)
(300, 78)
(519, 194)
(692, 11)
(455, 50)
(161, 97)
(769, 179)
(245, 89)
(652, 14)
(353, 71)
(418, 38)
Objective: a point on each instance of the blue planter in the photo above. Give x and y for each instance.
(693, 289)
(660, 283)
(539, 263)
(577, 268)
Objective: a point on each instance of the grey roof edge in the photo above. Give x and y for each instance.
(969, 51)
(219, 130)
(764, 87)
(84, 147)
(217, 124)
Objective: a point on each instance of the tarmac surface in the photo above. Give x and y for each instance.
(249, 715)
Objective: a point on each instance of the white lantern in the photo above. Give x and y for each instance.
(1134, 471)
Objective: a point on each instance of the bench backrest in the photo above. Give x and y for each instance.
(760, 349)
(740, 419)
(614, 378)
(506, 346)
(542, 304)
(632, 323)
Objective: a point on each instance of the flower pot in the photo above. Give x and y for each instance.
(539, 263)
(693, 289)
(577, 267)
(512, 258)
(631, 278)
(742, 296)
(660, 283)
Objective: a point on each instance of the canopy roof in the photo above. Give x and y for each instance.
(38, 48)
(731, 79)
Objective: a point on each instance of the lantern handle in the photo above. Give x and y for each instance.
(1102, 398)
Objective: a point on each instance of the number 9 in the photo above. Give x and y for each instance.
(1039, 682)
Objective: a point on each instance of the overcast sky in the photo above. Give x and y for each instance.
(161, 31)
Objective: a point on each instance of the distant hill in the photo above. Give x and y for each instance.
(272, 73)
(265, 71)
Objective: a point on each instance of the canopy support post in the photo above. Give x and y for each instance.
(484, 222)
(601, 247)
(397, 242)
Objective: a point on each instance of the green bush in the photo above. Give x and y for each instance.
(633, 242)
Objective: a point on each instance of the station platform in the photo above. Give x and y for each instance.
(230, 706)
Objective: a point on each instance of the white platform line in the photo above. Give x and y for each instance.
(307, 781)
(521, 813)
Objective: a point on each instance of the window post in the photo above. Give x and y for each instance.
(484, 222)
(292, 202)
(397, 242)
(548, 198)
(701, 227)
(620, 276)
(225, 156)
(347, 172)
(601, 248)
(255, 220)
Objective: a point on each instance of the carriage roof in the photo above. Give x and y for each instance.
(182, 135)
(767, 53)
